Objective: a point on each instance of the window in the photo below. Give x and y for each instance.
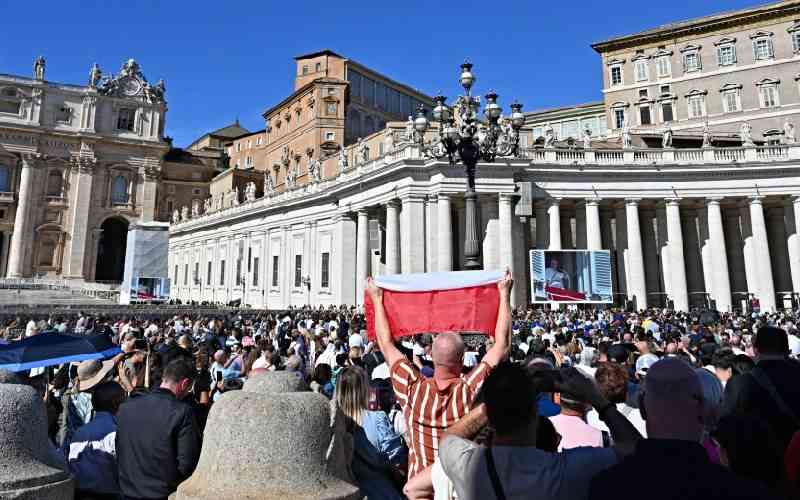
(275, 270)
(331, 91)
(726, 54)
(330, 136)
(730, 101)
(298, 270)
(640, 70)
(126, 118)
(258, 141)
(332, 108)
(305, 69)
(249, 143)
(644, 115)
(697, 106)
(619, 118)
(318, 67)
(663, 67)
(691, 61)
(643, 93)
(762, 48)
(324, 281)
(795, 41)
(665, 90)
(208, 273)
(196, 191)
(255, 271)
(768, 96)
(63, 114)
(238, 146)
(185, 274)
(9, 107)
(616, 75)
(570, 129)
(222, 272)
(119, 190)
(170, 206)
(666, 112)
(5, 179)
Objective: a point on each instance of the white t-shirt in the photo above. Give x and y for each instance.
(632, 414)
(524, 472)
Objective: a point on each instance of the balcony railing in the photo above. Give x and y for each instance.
(589, 157)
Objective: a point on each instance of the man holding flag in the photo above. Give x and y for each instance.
(430, 406)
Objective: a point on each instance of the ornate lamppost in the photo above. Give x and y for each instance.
(462, 136)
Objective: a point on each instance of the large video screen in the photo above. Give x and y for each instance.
(150, 290)
(571, 276)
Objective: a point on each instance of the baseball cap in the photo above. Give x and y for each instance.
(644, 363)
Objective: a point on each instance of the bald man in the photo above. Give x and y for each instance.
(430, 406)
(673, 408)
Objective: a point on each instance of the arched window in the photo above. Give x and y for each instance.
(5, 179)
(54, 183)
(119, 190)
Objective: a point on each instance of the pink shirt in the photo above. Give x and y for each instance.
(576, 433)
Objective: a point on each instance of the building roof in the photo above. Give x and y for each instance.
(323, 52)
(231, 131)
(713, 21)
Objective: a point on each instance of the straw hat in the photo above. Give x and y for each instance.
(92, 372)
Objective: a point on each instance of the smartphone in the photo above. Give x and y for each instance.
(219, 376)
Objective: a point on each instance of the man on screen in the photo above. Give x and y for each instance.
(555, 277)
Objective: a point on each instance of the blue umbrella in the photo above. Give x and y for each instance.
(53, 348)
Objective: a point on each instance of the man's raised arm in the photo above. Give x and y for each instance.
(502, 331)
(382, 333)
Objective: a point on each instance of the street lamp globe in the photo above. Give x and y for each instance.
(517, 118)
(420, 121)
(492, 110)
(467, 79)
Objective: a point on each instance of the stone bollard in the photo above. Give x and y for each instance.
(263, 447)
(275, 383)
(28, 466)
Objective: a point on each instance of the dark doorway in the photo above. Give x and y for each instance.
(111, 250)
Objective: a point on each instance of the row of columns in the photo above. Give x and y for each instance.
(756, 252)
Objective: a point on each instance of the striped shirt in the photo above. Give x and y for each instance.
(429, 411)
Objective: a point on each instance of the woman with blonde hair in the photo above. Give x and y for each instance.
(378, 450)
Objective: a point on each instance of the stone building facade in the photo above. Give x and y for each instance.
(723, 70)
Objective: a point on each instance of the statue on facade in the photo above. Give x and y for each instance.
(195, 208)
(666, 138)
(587, 139)
(362, 151)
(250, 192)
(291, 178)
(388, 142)
(176, 216)
(235, 196)
(410, 129)
(789, 133)
(38, 68)
(208, 205)
(220, 201)
(706, 136)
(315, 170)
(549, 136)
(285, 155)
(184, 213)
(746, 135)
(341, 164)
(94, 76)
(269, 185)
(627, 140)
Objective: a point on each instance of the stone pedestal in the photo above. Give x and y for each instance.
(275, 457)
(28, 462)
(275, 383)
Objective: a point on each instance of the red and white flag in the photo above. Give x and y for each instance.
(458, 301)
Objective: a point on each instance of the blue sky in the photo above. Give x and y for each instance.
(227, 59)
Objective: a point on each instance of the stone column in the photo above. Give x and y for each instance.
(621, 250)
(444, 257)
(677, 263)
(393, 237)
(344, 258)
(4, 246)
(721, 291)
(554, 215)
(594, 240)
(750, 270)
(663, 249)
(81, 201)
(22, 231)
(412, 235)
(150, 193)
(541, 226)
(791, 217)
(432, 233)
(505, 234)
(362, 254)
(761, 255)
(636, 276)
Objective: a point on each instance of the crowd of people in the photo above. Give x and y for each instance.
(562, 403)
